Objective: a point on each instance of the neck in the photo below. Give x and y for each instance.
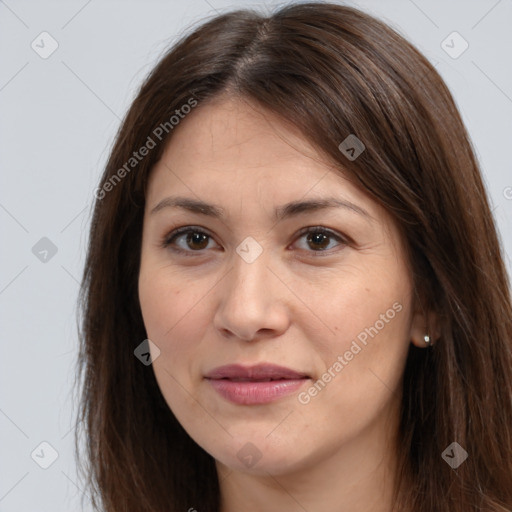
(356, 477)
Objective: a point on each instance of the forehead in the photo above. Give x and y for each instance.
(234, 146)
(231, 135)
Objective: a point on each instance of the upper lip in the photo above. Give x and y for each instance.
(256, 372)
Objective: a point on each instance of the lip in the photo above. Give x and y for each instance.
(252, 385)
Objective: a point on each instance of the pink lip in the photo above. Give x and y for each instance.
(251, 385)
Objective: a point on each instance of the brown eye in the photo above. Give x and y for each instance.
(196, 240)
(187, 240)
(319, 239)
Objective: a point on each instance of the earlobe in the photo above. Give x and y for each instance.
(424, 329)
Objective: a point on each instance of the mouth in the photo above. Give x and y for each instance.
(243, 379)
(260, 372)
(253, 385)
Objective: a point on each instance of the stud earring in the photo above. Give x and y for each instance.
(426, 338)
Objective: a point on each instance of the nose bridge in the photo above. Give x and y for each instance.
(248, 276)
(247, 303)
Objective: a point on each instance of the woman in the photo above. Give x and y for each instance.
(294, 296)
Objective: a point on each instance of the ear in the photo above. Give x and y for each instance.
(424, 324)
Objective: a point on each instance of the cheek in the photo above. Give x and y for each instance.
(175, 321)
(369, 316)
(364, 362)
(173, 310)
(161, 297)
(369, 304)
(154, 299)
(169, 317)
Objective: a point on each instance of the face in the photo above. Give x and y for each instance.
(323, 291)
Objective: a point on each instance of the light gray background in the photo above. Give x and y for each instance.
(58, 119)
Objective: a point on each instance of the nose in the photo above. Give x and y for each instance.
(252, 303)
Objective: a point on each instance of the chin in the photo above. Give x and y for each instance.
(257, 455)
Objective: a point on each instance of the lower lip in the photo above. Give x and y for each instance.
(252, 393)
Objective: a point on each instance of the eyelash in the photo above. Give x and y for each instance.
(170, 238)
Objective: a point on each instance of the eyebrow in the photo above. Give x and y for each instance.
(283, 212)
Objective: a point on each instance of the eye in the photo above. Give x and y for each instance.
(187, 240)
(320, 239)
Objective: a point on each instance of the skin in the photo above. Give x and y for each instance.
(294, 305)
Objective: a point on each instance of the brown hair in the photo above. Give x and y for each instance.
(332, 71)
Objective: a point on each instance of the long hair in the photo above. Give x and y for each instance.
(332, 71)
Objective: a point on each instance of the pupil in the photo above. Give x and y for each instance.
(197, 238)
(318, 238)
